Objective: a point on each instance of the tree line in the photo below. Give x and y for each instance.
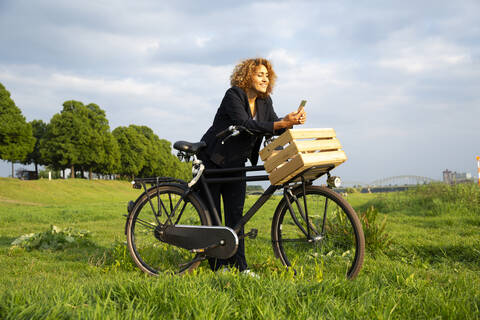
(79, 138)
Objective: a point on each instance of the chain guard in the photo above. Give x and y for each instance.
(215, 241)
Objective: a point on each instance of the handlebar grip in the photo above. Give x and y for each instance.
(232, 129)
(223, 132)
(224, 140)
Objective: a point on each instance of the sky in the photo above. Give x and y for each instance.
(397, 80)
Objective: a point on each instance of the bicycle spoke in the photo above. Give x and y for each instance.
(169, 221)
(146, 224)
(151, 255)
(181, 212)
(324, 216)
(294, 217)
(293, 240)
(174, 209)
(158, 204)
(171, 205)
(308, 221)
(337, 250)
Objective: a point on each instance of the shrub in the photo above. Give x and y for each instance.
(376, 239)
(351, 190)
(432, 200)
(117, 257)
(53, 239)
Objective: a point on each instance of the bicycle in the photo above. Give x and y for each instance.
(170, 229)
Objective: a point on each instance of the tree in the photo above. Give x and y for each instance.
(110, 162)
(133, 150)
(144, 154)
(79, 137)
(16, 138)
(104, 155)
(39, 129)
(65, 132)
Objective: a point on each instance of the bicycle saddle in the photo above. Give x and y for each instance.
(189, 147)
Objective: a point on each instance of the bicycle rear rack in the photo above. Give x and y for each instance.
(138, 183)
(300, 177)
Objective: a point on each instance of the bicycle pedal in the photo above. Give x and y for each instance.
(252, 234)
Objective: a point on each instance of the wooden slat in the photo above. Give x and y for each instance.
(281, 172)
(307, 160)
(319, 158)
(313, 133)
(280, 157)
(283, 139)
(320, 145)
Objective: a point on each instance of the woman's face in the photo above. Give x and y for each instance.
(260, 79)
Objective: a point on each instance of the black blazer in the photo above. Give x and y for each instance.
(235, 110)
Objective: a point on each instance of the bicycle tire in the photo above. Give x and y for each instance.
(150, 254)
(324, 247)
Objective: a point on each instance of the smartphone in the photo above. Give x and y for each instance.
(302, 105)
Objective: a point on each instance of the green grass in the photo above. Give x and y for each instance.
(431, 270)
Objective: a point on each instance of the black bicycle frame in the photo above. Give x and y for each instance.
(204, 182)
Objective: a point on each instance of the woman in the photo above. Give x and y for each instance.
(246, 103)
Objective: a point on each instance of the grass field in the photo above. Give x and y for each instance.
(429, 270)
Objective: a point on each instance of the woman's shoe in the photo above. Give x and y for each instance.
(250, 273)
(223, 270)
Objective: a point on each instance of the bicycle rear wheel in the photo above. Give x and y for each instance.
(159, 206)
(330, 243)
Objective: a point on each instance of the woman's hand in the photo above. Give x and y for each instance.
(296, 117)
(301, 116)
(291, 119)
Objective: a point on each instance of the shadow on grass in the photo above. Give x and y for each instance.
(115, 256)
(6, 241)
(83, 251)
(455, 253)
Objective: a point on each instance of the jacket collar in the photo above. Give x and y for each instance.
(259, 102)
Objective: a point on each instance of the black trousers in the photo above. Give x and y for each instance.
(233, 196)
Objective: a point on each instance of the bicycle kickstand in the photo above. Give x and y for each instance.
(200, 257)
(187, 265)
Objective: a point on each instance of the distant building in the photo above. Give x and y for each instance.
(454, 177)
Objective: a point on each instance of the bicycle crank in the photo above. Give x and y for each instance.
(214, 241)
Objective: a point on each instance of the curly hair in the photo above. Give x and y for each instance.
(243, 72)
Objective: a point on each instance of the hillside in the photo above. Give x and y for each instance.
(54, 192)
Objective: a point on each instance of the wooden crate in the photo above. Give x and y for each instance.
(315, 150)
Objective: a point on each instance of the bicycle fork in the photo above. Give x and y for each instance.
(310, 228)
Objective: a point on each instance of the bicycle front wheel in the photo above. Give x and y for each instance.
(322, 239)
(160, 206)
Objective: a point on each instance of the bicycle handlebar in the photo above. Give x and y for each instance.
(234, 131)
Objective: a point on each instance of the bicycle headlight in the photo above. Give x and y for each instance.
(334, 182)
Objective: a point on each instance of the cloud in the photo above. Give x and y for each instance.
(400, 77)
(178, 94)
(405, 52)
